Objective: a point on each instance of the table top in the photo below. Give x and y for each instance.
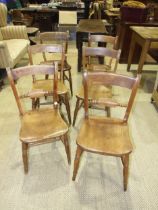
(148, 33)
(91, 26)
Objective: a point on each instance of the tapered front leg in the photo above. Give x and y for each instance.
(25, 156)
(66, 99)
(125, 161)
(77, 107)
(67, 148)
(79, 152)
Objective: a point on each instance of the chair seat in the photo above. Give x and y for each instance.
(96, 92)
(38, 125)
(105, 136)
(47, 85)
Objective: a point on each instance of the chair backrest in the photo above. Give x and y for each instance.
(3, 15)
(112, 79)
(90, 52)
(59, 37)
(18, 73)
(48, 48)
(103, 39)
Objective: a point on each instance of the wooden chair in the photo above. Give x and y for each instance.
(46, 84)
(101, 135)
(61, 38)
(94, 92)
(42, 125)
(102, 39)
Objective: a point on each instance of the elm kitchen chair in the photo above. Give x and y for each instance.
(43, 125)
(102, 135)
(46, 84)
(94, 92)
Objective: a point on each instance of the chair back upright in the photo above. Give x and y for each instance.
(18, 73)
(112, 79)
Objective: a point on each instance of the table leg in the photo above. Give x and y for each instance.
(144, 51)
(79, 47)
(131, 52)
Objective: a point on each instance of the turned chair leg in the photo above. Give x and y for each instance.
(67, 148)
(25, 156)
(77, 107)
(70, 82)
(67, 105)
(107, 109)
(125, 161)
(33, 103)
(79, 152)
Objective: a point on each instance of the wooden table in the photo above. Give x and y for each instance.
(85, 27)
(45, 18)
(125, 36)
(147, 38)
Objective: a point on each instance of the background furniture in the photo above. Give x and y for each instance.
(13, 41)
(113, 19)
(60, 38)
(147, 38)
(46, 84)
(38, 126)
(154, 97)
(84, 28)
(45, 18)
(89, 53)
(18, 18)
(101, 135)
(124, 39)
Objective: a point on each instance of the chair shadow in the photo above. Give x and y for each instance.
(97, 178)
(47, 171)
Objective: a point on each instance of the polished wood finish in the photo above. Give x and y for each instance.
(84, 28)
(88, 56)
(144, 36)
(62, 38)
(41, 125)
(46, 84)
(101, 135)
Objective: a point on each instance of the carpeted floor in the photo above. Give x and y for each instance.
(98, 186)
